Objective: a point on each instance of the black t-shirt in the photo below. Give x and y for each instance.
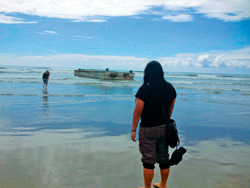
(152, 112)
(45, 76)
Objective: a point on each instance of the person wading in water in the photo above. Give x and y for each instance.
(46, 79)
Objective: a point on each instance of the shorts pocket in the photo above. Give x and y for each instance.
(149, 133)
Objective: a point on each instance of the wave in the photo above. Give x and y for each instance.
(68, 95)
(215, 102)
(19, 72)
(214, 92)
(241, 87)
(227, 76)
(208, 77)
(183, 82)
(36, 71)
(213, 83)
(209, 83)
(192, 75)
(75, 82)
(138, 74)
(213, 89)
(19, 81)
(45, 95)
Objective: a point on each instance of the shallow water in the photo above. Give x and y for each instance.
(77, 133)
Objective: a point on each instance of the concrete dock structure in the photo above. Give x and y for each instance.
(105, 75)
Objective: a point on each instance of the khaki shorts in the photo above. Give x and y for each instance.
(153, 145)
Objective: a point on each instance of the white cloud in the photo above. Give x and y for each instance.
(178, 18)
(230, 59)
(48, 33)
(51, 32)
(12, 20)
(91, 19)
(101, 10)
(215, 59)
(228, 10)
(83, 37)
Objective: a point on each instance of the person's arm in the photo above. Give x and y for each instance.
(136, 116)
(171, 108)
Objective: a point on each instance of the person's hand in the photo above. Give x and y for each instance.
(133, 136)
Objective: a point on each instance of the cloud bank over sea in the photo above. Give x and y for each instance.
(214, 59)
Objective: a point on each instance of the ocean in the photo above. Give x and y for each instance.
(77, 132)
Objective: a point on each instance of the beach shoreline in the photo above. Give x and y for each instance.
(77, 133)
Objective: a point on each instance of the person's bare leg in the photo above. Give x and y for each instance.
(148, 177)
(164, 178)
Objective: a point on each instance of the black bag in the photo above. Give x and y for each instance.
(172, 134)
(171, 130)
(173, 139)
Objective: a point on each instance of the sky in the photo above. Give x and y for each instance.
(183, 35)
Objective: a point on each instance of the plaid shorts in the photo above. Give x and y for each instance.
(153, 144)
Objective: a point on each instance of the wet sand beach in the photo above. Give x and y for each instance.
(77, 133)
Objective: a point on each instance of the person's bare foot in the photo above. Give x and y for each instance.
(157, 185)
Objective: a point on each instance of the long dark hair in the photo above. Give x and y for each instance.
(153, 74)
(154, 78)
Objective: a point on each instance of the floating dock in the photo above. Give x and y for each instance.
(105, 75)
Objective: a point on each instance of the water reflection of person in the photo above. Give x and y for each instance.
(154, 95)
(45, 99)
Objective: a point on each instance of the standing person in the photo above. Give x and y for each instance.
(154, 94)
(46, 78)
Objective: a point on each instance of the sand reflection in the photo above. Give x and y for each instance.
(70, 158)
(63, 159)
